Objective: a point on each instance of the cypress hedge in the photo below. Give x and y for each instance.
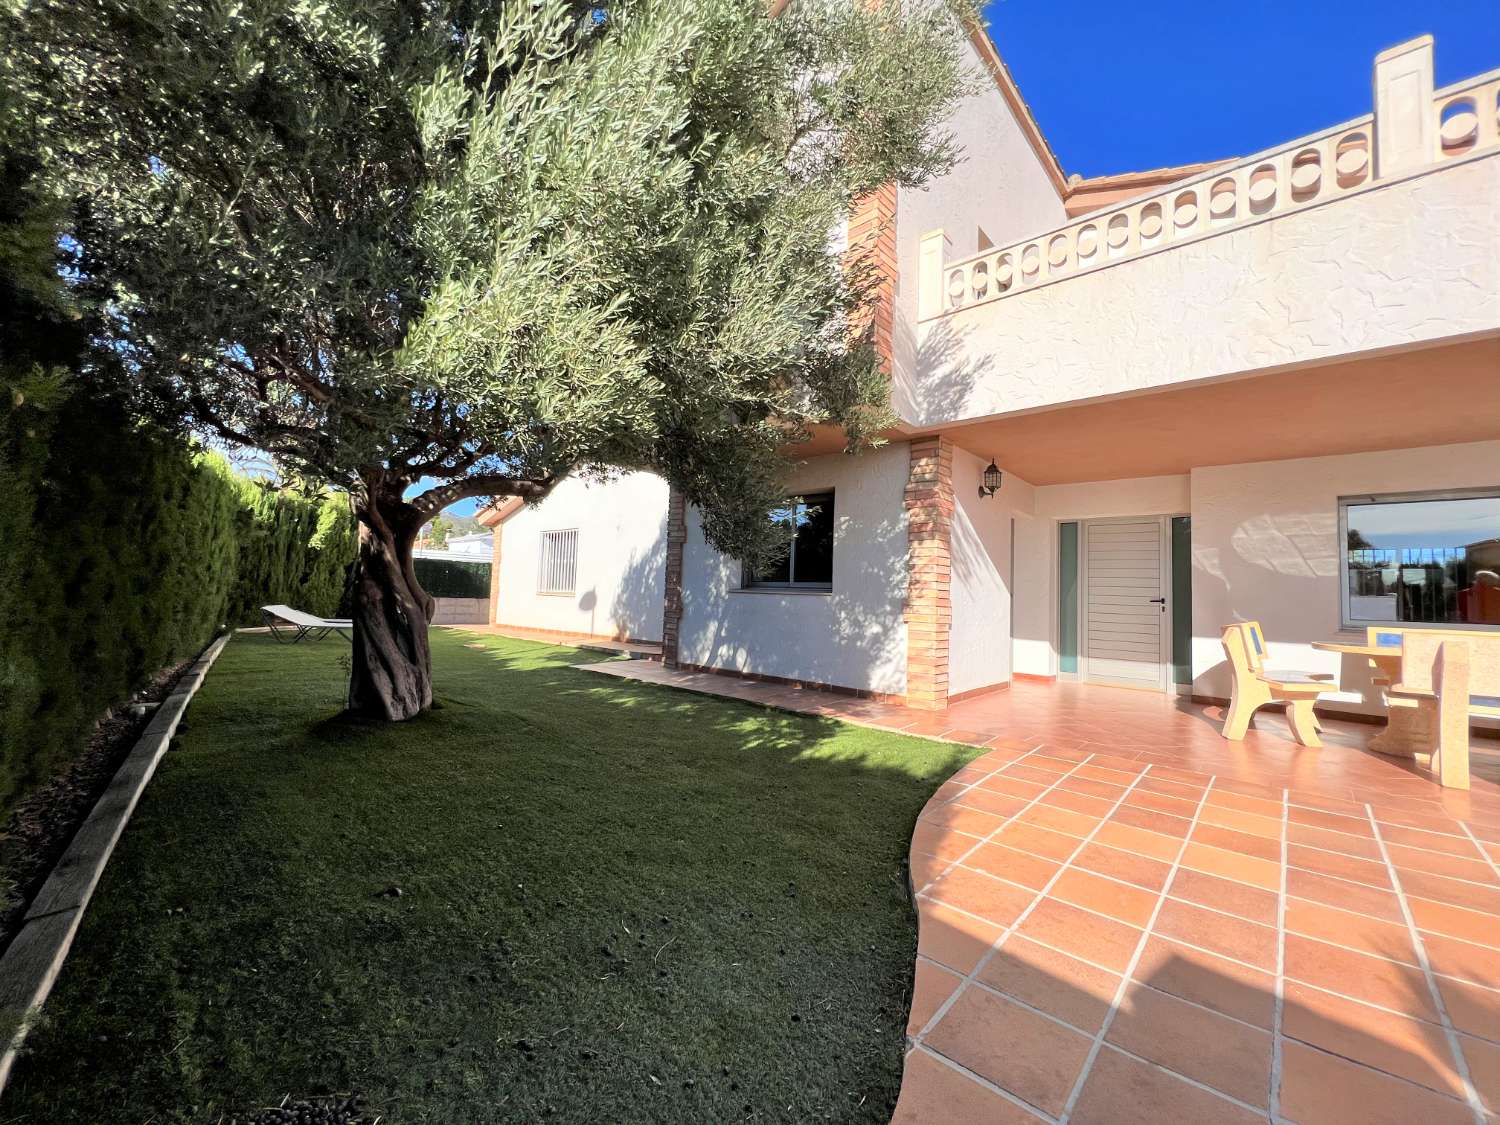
(122, 551)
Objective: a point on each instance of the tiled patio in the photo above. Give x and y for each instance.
(1123, 918)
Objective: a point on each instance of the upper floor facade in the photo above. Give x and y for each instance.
(1015, 289)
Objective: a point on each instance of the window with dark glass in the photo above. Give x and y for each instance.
(1432, 558)
(806, 523)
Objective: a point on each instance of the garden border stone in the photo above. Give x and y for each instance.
(35, 957)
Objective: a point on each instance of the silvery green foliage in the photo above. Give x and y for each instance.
(492, 243)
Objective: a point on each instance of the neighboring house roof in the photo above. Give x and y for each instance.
(1085, 195)
(498, 511)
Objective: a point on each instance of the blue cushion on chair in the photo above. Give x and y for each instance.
(1255, 636)
(1388, 640)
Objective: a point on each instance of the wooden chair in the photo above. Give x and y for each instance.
(1463, 674)
(1255, 686)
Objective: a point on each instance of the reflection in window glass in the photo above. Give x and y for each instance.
(807, 524)
(1434, 560)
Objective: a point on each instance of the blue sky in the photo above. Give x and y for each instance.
(1123, 87)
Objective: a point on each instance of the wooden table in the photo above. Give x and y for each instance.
(1412, 724)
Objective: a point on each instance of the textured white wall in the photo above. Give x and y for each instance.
(1266, 548)
(1415, 261)
(979, 649)
(1036, 550)
(853, 637)
(1000, 186)
(621, 559)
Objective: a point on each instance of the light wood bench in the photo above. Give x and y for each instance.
(1255, 686)
(1462, 673)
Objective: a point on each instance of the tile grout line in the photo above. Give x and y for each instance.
(1135, 958)
(1273, 1097)
(1471, 1095)
(1481, 849)
(1006, 931)
(992, 1087)
(990, 836)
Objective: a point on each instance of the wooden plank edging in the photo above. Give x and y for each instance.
(35, 957)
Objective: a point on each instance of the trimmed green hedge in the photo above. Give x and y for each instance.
(122, 551)
(451, 578)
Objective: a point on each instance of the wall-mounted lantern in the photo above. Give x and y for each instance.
(990, 483)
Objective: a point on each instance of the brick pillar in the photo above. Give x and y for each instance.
(872, 242)
(929, 612)
(671, 605)
(495, 574)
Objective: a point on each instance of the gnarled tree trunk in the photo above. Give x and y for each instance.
(391, 678)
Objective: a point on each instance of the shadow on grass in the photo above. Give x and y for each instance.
(558, 895)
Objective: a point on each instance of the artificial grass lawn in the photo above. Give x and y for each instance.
(618, 903)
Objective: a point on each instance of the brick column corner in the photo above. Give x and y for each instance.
(495, 574)
(671, 604)
(929, 611)
(872, 242)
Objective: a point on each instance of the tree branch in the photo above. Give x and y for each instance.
(434, 500)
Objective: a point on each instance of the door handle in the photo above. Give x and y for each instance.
(1161, 602)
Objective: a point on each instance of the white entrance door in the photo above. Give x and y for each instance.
(1126, 627)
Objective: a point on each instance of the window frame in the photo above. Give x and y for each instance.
(748, 583)
(544, 539)
(1346, 619)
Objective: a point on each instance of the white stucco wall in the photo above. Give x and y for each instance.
(1000, 185)
(621, 559)
(1409, 262)
(852, 637)
(979, 648)
(1036, 550)
(1266, 548)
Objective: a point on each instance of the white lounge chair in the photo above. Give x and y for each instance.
(290, 625)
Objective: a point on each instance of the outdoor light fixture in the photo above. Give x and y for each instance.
(991, 482)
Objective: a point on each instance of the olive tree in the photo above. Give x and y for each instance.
(431, 251)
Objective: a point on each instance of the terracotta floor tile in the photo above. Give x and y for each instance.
(1012, 787)
(1128, 838)
(1323, 1088)
(1027, 772)
(931, 985)
(1173, 827)
(1101, 941)
(925, 868)
(1407, 1048)
(1333, 822)
(1231, 865)
(951, 938)
(1455, 921)
(1019, 867)
(1340, 866)
(1220, 797)
(1218, 933)
(977, 892)
(1160, 802)
(1059, 820)
(945, 843)
(1203, 1045)
(1241, 821)
(1127, 866)
(1027, 1054)
(1123, 1091)
(1454, 891)
(933, 1091)
(1355, 931)
(1095, 772)
(1361, 847)
(1105, 896)
(1472, 1009)
(1038, 841)
(1483, 1059)
(1358, 897)
(1241, 843)
(1375, 980)
(1232, 897)
(1103, 790)
(1464, 960)
(1432, 841)
(969, 737)
(1053, 982)
(963, 819)
(1093, 807)
(985, 800)
(1475, 870)
(1207, 979)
